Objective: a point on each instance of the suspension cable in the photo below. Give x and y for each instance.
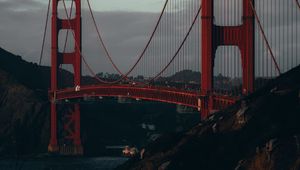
(83, 58)
(67, 34)
(144, 49)
(66, 41)
(298, 4)
(265, 38)
(179, 48)
(117, 81)
(45, 32)
(78, 47)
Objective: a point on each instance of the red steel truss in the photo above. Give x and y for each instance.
(69, 142)
(71, 127)
(214, 36)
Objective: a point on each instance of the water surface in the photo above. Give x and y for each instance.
(101, 163)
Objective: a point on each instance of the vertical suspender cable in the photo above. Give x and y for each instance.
(283, 37)
(186, 45)
(269, 22)
(124, 76)
(182, 30)
(176, 24)
(196, 45)
(288, 38)
(180, 22)
(285, 63)
(45, 33)
(257, 50)
(231, 55)
(189, 40)
(292, 30)
(187, 14)
(297, 34)
(262, 53)
(160, 44)
(276, 34)
(234, 52)
(166, 46)
(65, 44)
(179, 48)
(183, 24)
(265, 38)
(237, 53)
(67, 35)
(230, 66)
(267, 34)
(225, 49)
(264, 67)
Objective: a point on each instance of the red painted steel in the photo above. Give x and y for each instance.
(58, 59)
(214, 36)
(204, 101)
(207, 55)
(174, 96)
(167, 95)
(53, 145)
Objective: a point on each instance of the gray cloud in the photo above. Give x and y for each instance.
(127, 32)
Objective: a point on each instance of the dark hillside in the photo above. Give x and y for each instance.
(33, 76)
(185, 76)
(259, 132)
(29, 74)
(23, 118)
(24, 113)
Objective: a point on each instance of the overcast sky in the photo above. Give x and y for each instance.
(126, 26)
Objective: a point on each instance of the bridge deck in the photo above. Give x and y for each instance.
(167, 95)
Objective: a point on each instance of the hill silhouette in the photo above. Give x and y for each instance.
(259, 132)
(24, 113)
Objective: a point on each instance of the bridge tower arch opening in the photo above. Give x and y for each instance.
(227, 71)
(213, 36)
(67, 142)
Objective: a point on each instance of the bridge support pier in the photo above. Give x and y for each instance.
(206, 106)
(65, 120)
(53, 144)
(65, 132)
(214, 36)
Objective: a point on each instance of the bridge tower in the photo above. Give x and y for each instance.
(65, 140)
(213, 36)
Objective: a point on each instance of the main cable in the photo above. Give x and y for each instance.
(179, 48)
(143, 51)
(67, 34)
(297, 3)
(265, 38)
(114, 82)
(78, 47)
(45, 32)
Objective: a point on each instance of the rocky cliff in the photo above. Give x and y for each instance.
(24, 113)
(260, 132)
(23, 118)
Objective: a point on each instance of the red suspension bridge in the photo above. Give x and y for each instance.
(233, 47)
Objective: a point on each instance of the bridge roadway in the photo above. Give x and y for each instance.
(152, 93)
